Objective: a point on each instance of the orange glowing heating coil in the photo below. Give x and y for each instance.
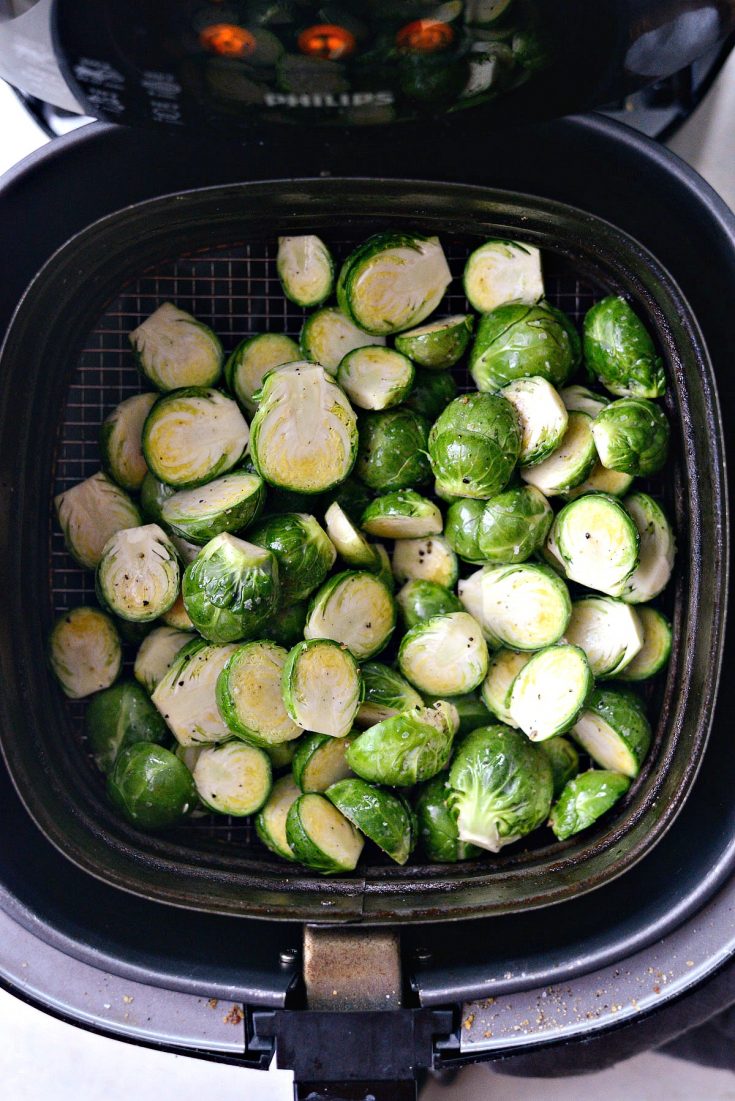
(228, 40)
(426, 36)
(327, 40)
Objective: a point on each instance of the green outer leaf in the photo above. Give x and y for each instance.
(286, 626)
(199, 525)
(431, 393)
(585, 799)
(619, 351)
(420, 600)
(406, 748)
(386, 693)
(391, 509)
(302, 549)
(514, 525)
(305, 849)
(151, 787)
(654, 654)
(575, 340)
(381, 816)
(564, 761)
(474, 445)
(441, 348)
(153, 494)
(632, 435)
(392, 450)
(470, 709)
(462, 529)
(438, 826)
(231, 590)
(517, 341)
(624, 713)
(118, 717)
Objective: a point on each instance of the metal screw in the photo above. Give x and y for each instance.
(288, 956)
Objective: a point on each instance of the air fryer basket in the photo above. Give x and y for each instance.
(66, 363)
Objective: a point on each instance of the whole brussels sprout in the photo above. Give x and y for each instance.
(632, 435)
(410, 747)
(517, 341)
(392, 450)
(118, 717)
(575, 341)
(431, 392)
(462, 529)
(301, 548)
(420, 600)
(151, 786)
(231, 590)
(438, 831)
(474, 445)
(619, 350)
(514, 525)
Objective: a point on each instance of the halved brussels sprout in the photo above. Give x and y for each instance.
(421, 600)
(503, 668)
(407, 748)
(192, 436)
(403, 514)
(542, 417)
(517, 342)
(445, 655)
(382, 817)
(500, 787)
(350, 543)
(499, 272)
(392, 451)
(462, 528)
(233, 778)
(523, 607)
(286, 626)
(601, 480)
(632, 435)
(120, 441)
(282, 753)
(386, 694)
(186, 698)
(428, 559)
(321, 837)
(138, 574)
(302, 549)
(352, 497)
(252, 359)
(354, 608)
(437, 826)
(514, 525)
(375, 378)
(564, 761)
(304, 434)
(657, 549)
(156, 655)
(432, 391)
(270, 824)
(84, 652)
(585, 799)
(570, 464)
(319, 761)
(249, 695)
(656, 648)
(614, 730)
(174, 350)
(306, 270)
(177, 616)
(474, 445)
(619, 350)
(228, 503)
(439, 344)
(578, 399)
(550, 691)
(231, 589)
(322, 687)
(90, 513)
(608, 631)
(393, 281)
(151, 786)
(328, 335)
(118, 717)
(598, 542)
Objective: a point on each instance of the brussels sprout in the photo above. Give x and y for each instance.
(500, 787)
(231, 590)
(322, 687)
(174, 350)
(440, 344)
(138, 574)
(608, 631)
(152, 496)
(550, 554)
(514, 525)
(228, 503)
(392, 450)
(304, 434)
(471, 711)
(598, 542)
(302, 549)
(321, 837)
(189, 755)
(601, 480)
(328, 335)
(503, 668)
(382, 817)
(564, 761)
(120, 441)
(118, 717)
(249, 695)
(517, 342)
(132, 633)
(619, 350)
(429, 559)
(462, 528)
(393, 281)
(542, 417)
(499, 272)
(251, 361)
(632, 435)
(156, 655)
(421, 600)
(90, 513)
(403, 514)
(585, 799)
(407, 748)
(85, 652)
(375, 378)
(384, 571)
(282, 753)
(177, 616)
(270, 824)
(437, 825)
(151, 786)
(656, 647)
(354, 608)
(657, 549)
(233, 778)
(445, 655)
(192, 436)
(432, 392)
(575, 340)
(386, 694)
(614, 730)
(286, 626)
(320, 761)
(483, 13)
(474, 445)
(186, 698)
(523, 607)
(306, 270)
(550, 690)
(186, 551)
(352, 497)
(351, 544)
(570, 464)
(578, 399)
